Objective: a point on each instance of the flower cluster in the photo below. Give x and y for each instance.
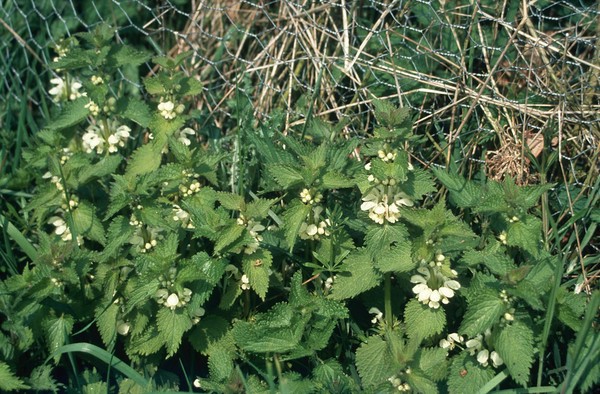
(484, 356)
(109, 134)
(254, 228)
(145, 238)
(383, 203)
(451, 341)
(174, 299)
(179, 215)
(398, 384)
(169, 110)
(315, 228)
(65, 90)
(245, 282)
(432, 286)
(182, 135)
(310, 196)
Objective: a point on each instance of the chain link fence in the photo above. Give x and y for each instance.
(491, 81)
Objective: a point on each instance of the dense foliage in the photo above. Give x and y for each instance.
(297, 262)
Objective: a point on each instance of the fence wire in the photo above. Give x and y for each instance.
(489, 79)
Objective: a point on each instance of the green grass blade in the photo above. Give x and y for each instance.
(18, 237)
(105, 357)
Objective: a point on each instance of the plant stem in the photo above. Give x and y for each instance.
(388, 299)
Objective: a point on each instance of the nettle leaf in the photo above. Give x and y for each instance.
(106, 320)
(335, 180)
(463, 193)
(106, 166)
(227, 236)
(390, 116)
(150, 342)
(155, 86)
(119, 232)
(58, 330)
(220, 362)
(422, 321)
(530, 195)
(515, 345)
(190, 87)
(571, 307)
(135, 110)
(467, 375)
(433, 362)
(525, 234)
(483, 312)
(172, 324)
(122, 55)
(71, 114)
(395, 259)
(421, 384)
(493, 257)
(209, 330)
(87, 223)
(358, 276)
(231, 201)
(375, 361)
(277, 331)
(257, 266)
(146, 158)
(293, 218)
(286, 175)
(8, 380)
(380, 238)
(259, 208)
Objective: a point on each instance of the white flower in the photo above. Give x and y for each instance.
(433, 287)
(123, 327)
(181, 135)
(118, 139)
(93, 107)
(91, 141)
(96, 80)
(97, 137)
(474, 345)
(167, 109)
(245, 282)
(451, 341)
(383, 203)
(197, 383)
(378, 315)
(61, 228)
(63, 92)
(179, 215)
(172, 301)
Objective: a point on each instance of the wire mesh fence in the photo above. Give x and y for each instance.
(491, 81)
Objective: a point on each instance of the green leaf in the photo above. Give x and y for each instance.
(58, 330)
(220, 362)
(433, 362)
(396, 259)
(87, 223)
(106, 166)
(374, 361)
(190, 87)
(145, 159)
(293, 219)
(8, 381)
(389, 116)
(463, 193)
(571, 308)
(172, 324)
(154, 86)
(257, 267)
(228, 235)
(526, 234)
(119, 232)
(483, 311)
(135, 110)
(106, 320)
(467, 375)
(122, 55)
(71, 114)
(258, 208)
(515, 346)
(285, 175)
(231, 201)
(381, 238)
(358, 276)
(422, 321)
(335, 180)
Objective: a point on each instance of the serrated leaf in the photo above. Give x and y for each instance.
(71, 114)
(384, 237)
(293, 219)
(374, 361)
(515, 345)
(335, 180)
(154, 86)
(126, 55)
(257, 267)
(106, 320)
(483, 311)
(220, 363)
(463, 193)
(421, 384)
(433, 362)
(209, 330)
(396, 259)
(58, 330)
(142, 292)
(525, 234)
(286, 175)
(422, 321)
(87, 223)
(106, 166)
(172, 324)
(467, 376)
(231, 201)
(145, 159)
(8, 381)
(258, 208)
(135, 110)
(190, 87)
(150, 342)
(571, 307)
(119, 232)
(228, 235)
(358, 276)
